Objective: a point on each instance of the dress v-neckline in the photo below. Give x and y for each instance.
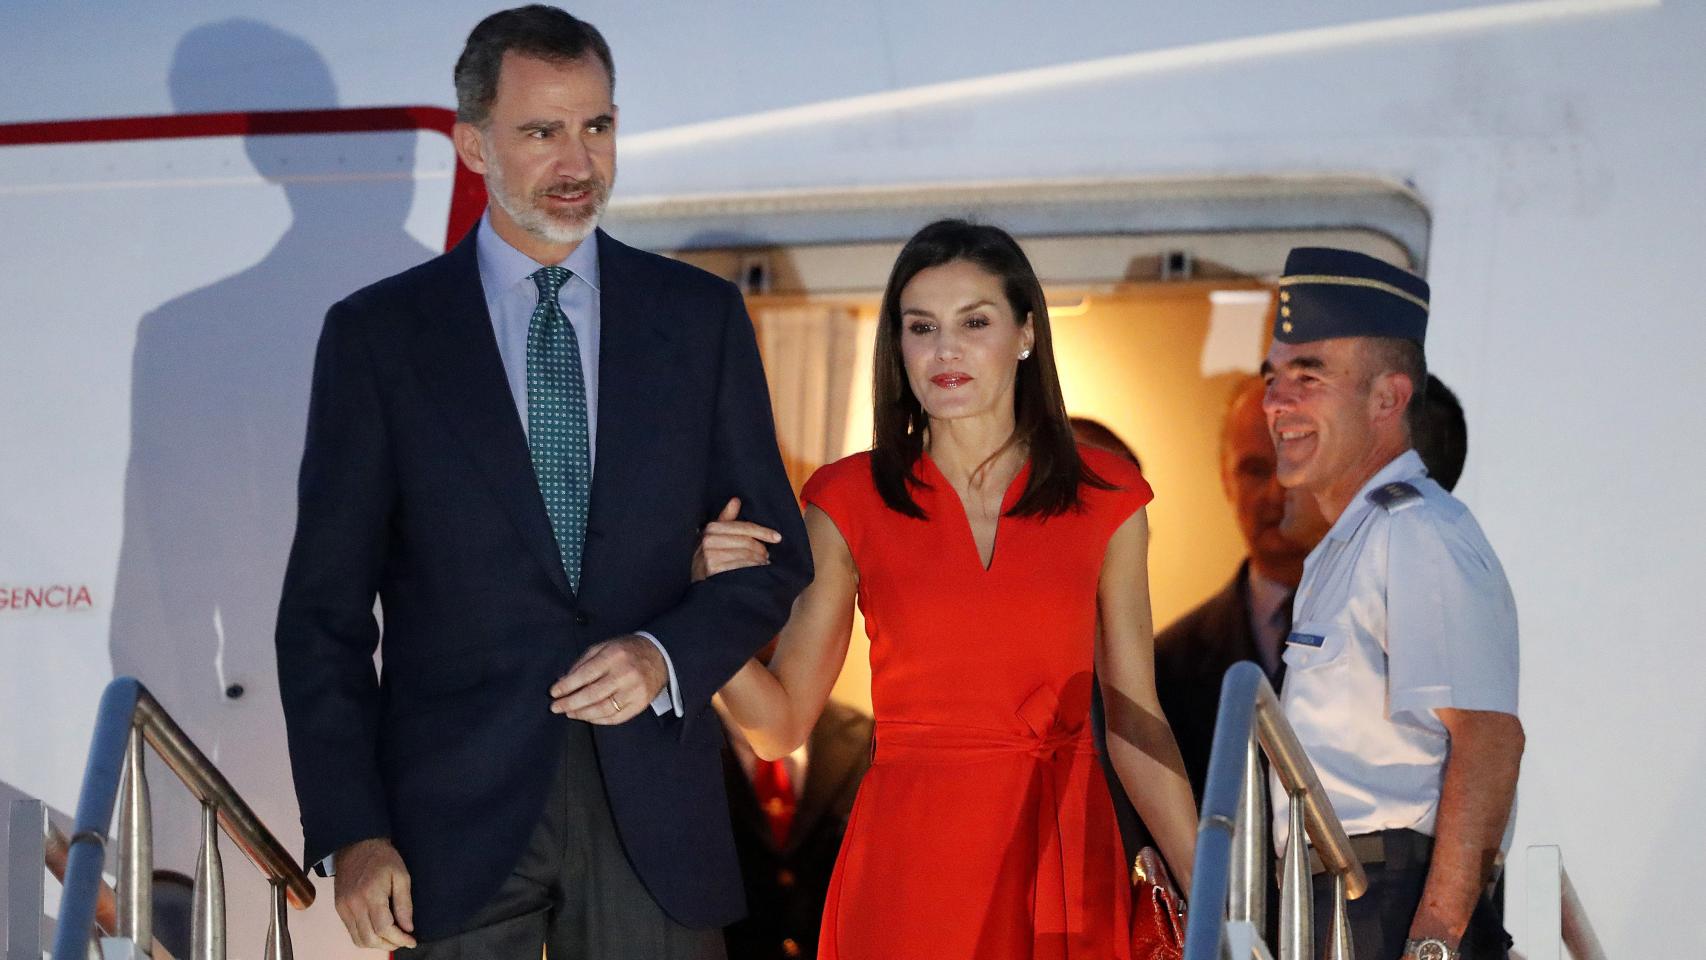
(1008, 499)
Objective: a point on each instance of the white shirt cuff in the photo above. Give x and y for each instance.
(668, 699)
(327, 867)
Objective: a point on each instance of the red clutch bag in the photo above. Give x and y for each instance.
(1157, 911)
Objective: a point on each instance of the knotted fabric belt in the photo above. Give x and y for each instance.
(1061, 909)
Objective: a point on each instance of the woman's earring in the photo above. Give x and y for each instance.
(1025, 354)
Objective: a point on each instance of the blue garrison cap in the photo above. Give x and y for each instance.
(1327, 293)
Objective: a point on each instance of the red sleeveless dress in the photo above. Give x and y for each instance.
(984, 827)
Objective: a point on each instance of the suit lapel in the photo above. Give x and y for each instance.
(457, 354)
(631, 347)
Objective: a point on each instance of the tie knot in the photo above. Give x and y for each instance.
(549, 280)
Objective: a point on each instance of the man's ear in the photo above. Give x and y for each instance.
(1389, 396)
(470, 144)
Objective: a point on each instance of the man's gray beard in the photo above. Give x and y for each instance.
(536, 221)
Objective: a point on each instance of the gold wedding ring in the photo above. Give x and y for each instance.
(616, 703)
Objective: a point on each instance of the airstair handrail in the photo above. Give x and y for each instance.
(1557, 921)
(128, 717)
(1232, 849)
(1575, 928)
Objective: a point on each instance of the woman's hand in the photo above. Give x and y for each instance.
(730, 544)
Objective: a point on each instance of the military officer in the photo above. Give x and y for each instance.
(1401, 674)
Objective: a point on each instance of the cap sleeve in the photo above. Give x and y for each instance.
(836, 489)
(1131, 491)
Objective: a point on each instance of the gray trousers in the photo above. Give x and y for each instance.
(573, 891)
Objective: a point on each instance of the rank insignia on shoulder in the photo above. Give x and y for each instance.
(1395, 496)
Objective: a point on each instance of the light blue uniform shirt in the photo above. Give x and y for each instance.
(1403, 609)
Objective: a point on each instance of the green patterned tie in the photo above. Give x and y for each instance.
(556, 420)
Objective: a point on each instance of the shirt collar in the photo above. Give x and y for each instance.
(1406, 466)
(502, 266)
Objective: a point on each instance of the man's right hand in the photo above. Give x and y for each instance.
(371, 889)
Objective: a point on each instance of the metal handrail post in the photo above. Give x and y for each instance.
(1250, 713)
(208, 785)
(1339, 943)
(1205, 926)
(1249, 894)
(1297, 896)
(207, 911)
(127, 716)
(135, 847)
(278, 928)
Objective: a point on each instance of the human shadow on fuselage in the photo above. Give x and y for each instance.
(218, 410)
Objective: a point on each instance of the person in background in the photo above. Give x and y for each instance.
(791, 813)
(1401, 665)
(174, 911)
(1250, 617)
(789, 817)
(1098, 434)
(1440, 432)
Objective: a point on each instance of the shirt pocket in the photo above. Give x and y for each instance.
(1313, 646)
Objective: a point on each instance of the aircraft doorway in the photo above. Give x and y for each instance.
(1153, 333)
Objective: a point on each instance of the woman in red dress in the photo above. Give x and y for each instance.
(996, 564)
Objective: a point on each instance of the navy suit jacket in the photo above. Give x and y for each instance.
(417, 488)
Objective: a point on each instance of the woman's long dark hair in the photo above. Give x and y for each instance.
(1039, 412)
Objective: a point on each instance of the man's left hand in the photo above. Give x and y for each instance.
(613, 682)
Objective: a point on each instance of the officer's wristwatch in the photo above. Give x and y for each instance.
(1429, 949)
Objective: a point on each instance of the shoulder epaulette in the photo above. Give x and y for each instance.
(1395, 496)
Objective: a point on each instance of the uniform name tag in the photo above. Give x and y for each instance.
(1306, 639)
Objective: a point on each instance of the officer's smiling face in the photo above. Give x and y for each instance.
(1317, 408)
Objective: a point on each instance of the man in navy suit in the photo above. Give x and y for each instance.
(513, 447)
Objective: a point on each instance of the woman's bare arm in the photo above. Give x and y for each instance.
(777, 706)
(1140, 743)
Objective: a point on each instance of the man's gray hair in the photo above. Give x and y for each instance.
(1397, 355)
(535, 30)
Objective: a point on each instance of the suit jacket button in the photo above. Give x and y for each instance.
(582, 617)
